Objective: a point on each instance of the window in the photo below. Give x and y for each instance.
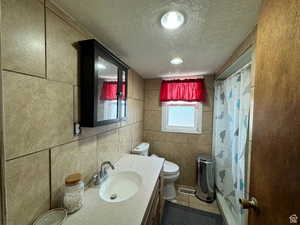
(181, 117)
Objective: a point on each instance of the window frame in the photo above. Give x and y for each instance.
(197, 129)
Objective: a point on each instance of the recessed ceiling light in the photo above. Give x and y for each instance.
(176, 61)
(172, 20)
(101, 66)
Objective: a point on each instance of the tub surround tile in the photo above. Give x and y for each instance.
(23, 42)
(45, 114)
(62, 54)
(27, 182)
(76, 157)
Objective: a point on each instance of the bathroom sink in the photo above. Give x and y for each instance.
(120, 186)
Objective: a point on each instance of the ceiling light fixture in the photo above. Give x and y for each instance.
(172, 20)
(176, 61)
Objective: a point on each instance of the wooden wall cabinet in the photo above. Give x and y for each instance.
(103, 85)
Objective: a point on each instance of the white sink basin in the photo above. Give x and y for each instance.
(120, 186)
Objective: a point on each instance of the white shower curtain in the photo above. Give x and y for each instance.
(232, 106)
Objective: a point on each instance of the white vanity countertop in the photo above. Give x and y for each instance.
(96, 211)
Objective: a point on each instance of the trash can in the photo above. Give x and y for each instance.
(205, 178)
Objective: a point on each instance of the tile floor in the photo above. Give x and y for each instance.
(194, 202)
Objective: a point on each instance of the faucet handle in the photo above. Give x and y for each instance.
(94, 179)
(107, 163)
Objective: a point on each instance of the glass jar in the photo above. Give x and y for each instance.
(73, 193)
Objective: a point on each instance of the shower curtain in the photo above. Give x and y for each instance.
(232, 106)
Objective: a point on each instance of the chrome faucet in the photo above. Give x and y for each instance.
(102, 175)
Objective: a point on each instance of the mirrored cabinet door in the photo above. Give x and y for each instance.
(107, 84)
(123, 94)
(103, 85)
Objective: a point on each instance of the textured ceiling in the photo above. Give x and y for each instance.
(132, 30)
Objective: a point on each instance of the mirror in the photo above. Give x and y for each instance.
(107, 82)
(123, 94)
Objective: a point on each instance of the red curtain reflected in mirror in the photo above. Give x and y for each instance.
(190, 90)
(109, 90)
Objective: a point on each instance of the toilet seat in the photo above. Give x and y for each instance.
(170, 168)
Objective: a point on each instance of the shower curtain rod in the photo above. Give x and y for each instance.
(240, 62)
(238, 71)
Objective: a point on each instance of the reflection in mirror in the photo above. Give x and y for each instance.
(107, 76)
(124, 91)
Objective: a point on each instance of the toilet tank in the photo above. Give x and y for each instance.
(142, 149)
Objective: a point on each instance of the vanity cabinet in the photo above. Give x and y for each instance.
(103, 85)
(154, 212)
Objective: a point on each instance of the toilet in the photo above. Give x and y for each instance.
(170, 171)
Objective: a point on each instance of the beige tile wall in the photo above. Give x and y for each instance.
(23, 42)
(61, 38)
(27, 185)
(41, 102)
(177, 147)
(38, 113)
